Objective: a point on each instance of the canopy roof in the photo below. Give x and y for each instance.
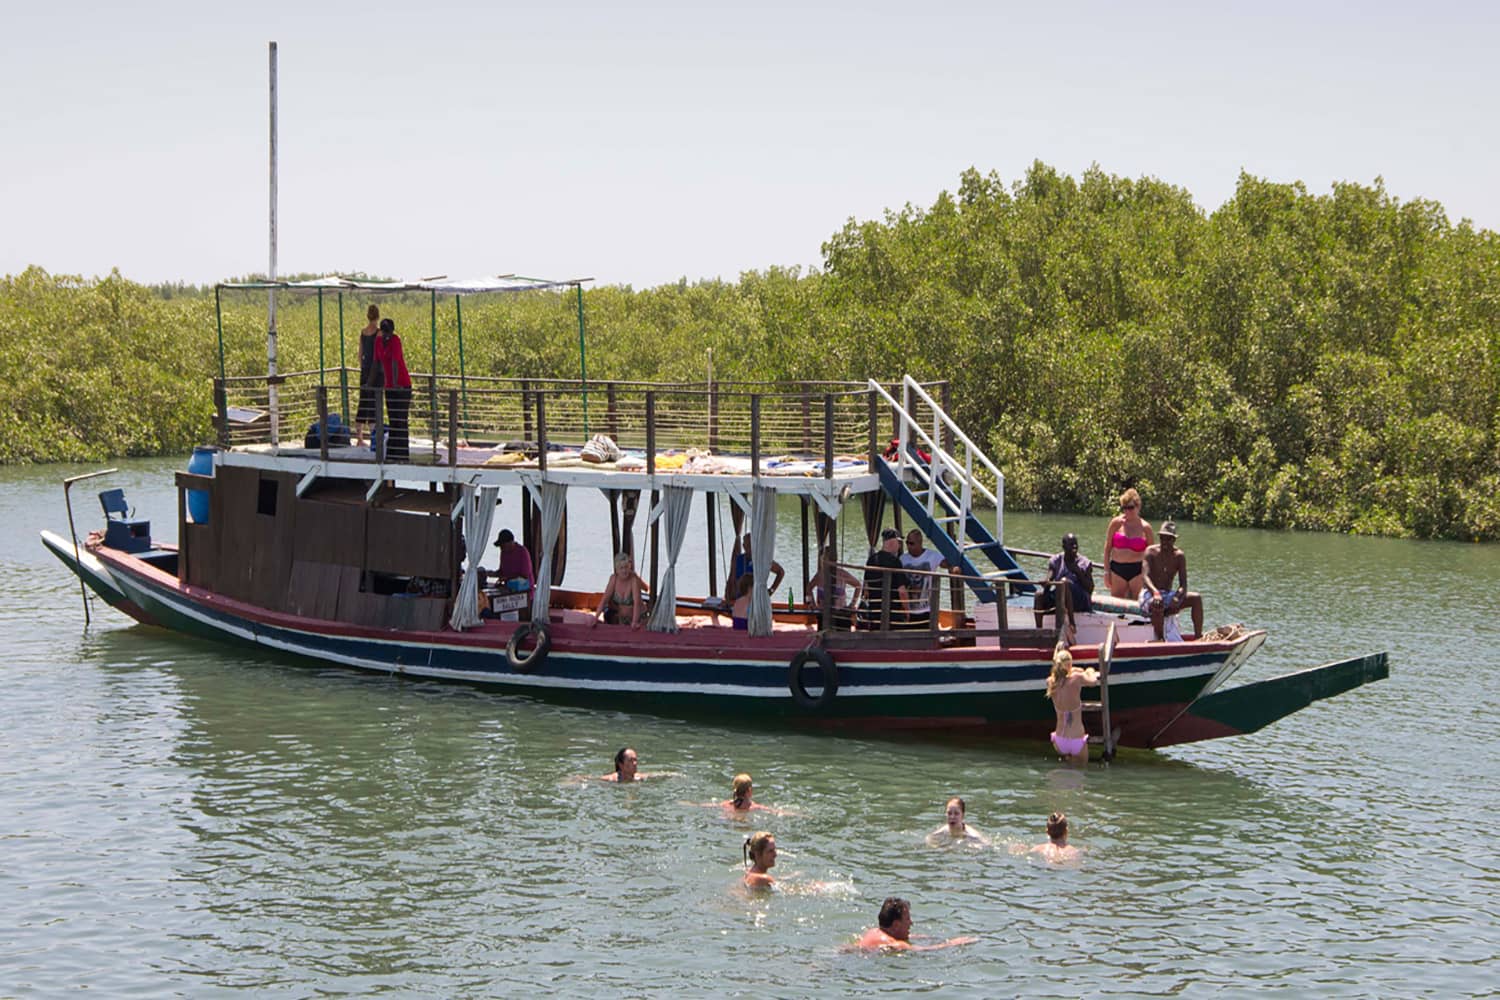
(442, 284)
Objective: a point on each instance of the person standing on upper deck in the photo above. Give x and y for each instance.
(397, 381)
(369, 377)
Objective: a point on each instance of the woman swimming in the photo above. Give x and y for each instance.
(1057, 847)
(742, 800)
(760, 856)
(1065, 687)
(626, 762)
(1125, 543)
(956, 830)
(623, 594)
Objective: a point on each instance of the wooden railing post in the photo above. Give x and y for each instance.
(525, 410)
(541, 430)
(806, 418)
(828, 435)
(611, 412)
(874, 416)
(452, 426)
(651, 433)
(221, 405)
(713, 418)
(755, 437)
(380, 429)
(322, 395)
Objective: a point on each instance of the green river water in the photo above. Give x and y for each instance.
(181, 818)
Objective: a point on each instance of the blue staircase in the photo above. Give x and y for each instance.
(979, 538)
(937, 489)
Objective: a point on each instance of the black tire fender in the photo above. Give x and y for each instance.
(829, 670)
(521, 661)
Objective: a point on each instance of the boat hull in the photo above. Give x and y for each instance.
(716, 672)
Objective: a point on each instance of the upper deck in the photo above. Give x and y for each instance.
(812, 438)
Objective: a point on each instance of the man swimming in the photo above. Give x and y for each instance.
(894, 931)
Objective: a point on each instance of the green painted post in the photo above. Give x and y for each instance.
(219, 321)
(583, 362)
(463, 382)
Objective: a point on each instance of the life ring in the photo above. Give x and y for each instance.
(521, 661)
(830, 677)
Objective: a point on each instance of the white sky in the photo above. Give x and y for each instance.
(641, 143)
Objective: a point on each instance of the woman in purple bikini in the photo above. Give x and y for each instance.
(1065, 687)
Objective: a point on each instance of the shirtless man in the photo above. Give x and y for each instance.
(626, 762)
(894, 932)
(1164, 563)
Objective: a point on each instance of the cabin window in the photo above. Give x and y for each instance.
(266, 502)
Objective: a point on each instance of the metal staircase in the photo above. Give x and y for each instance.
(940, 490)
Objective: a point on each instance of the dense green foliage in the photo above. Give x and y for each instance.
(1292, 360)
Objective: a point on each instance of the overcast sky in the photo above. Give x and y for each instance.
(641, 143)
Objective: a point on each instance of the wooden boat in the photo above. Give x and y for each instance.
(318, 553)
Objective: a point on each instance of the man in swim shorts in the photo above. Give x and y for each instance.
(1165, 564)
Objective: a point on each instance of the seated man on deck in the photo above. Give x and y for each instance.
(1164, 563)
(1073, 568)
(515, 561)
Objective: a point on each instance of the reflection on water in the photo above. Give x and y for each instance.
(179, 816)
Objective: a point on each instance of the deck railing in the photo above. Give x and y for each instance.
(814, 420)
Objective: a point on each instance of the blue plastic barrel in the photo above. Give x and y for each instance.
(202, 463)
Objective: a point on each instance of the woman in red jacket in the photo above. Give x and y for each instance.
(392, 362)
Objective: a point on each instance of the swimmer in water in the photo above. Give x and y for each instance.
(626, 761)
(1057, 848)
(760, 857)
(1065, 687)
(956, 831)
(742, 803)
(894, 932)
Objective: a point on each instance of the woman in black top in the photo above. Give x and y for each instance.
(369, 376)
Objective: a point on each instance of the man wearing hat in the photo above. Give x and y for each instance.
(1075, 570)
(1166, 563)
(885, 565)
(515, 561)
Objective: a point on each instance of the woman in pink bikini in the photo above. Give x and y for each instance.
(1065, 687)
(1125, 544)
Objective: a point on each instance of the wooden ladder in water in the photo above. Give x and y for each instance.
(1108, 734)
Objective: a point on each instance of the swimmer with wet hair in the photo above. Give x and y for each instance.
(1057, 847)
(760, 856)
(626, 762)
(956, 830)
(894, 931)
(1065, 688)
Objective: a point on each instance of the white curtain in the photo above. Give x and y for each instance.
(552, 498)
(478, 511)
(678, 504)
(763, 552)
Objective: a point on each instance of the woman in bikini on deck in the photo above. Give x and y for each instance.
(1065, 687)
(624, 595)
(1125, 544)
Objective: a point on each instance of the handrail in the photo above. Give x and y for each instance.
(933, 448)
(72, 533)
(998, 498)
